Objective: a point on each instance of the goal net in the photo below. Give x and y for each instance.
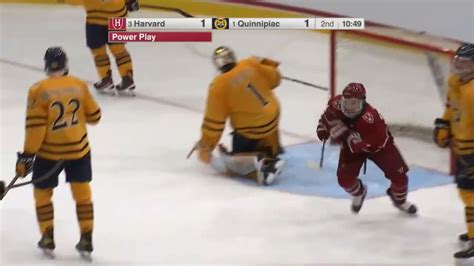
(404, 73)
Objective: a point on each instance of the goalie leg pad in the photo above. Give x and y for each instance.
(241, 164)
(268, 169)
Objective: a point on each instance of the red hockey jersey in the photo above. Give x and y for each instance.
(365, 133)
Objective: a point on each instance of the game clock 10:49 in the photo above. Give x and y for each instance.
(351, 23)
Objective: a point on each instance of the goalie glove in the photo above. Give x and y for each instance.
(204, 152)
(441, 133)
(24, 163)
(268, 61)
(133, 5)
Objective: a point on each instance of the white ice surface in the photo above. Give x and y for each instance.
(154, 207)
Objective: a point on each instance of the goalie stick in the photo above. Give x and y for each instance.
(305, 83)
(4, 190)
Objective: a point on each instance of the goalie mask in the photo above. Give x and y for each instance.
(224, 59)
(463, 63)
(353, 99)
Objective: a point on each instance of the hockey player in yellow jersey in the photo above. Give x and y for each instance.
(456, 129)
(243, 93)
(58, 109)
(98, 13)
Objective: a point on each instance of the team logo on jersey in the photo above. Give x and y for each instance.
(368, 117)
(337, 104)
(44, 96)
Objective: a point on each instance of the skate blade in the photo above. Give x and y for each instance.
(125, 93)
(107, 92)
(48, 253)
(462, 262)
(412, 210)
(356, 208)
(85, 255)
(407, 212)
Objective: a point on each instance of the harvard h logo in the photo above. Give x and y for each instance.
(117, 24)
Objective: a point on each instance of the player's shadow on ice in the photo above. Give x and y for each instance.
(302, 174)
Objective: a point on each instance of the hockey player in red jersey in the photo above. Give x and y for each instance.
(363, 134)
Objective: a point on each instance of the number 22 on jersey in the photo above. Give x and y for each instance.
(66, 114)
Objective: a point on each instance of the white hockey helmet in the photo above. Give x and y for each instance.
(224, 58)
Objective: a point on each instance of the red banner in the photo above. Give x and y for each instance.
(159, 36)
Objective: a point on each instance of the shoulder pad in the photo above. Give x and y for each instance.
(454, 81)
(335, 103)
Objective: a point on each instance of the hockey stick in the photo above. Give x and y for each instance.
(4, 190)
(321, 159)
(47, 175)
(305, 83)
(365, 166)
(37, 180)
(192, 150)
(439, 77)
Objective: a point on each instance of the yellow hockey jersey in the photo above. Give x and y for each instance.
(244, 94)
(58, 110)
(99, 11)
(460, 113)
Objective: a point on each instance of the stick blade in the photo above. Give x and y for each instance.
(2, 189)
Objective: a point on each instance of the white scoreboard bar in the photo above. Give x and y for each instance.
(163, 24)
(155, 24)
(271, 23)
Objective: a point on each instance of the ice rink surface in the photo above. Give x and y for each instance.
(154, 207)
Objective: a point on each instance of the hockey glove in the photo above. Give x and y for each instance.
(133, 5)
(357, 145)
(337, 130)
(269, 62)
(322, 131)
(24, 163)
(441, 133)
(204, 153)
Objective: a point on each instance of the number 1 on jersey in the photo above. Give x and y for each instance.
(257, 95)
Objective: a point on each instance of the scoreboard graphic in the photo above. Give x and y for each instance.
(200, 29)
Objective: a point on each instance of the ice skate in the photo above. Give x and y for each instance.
(463, 237)
(105, 85)
(404, 206)
(127, 86)
(46, 243)
(358, 201)
(466, 253)
(84, 247)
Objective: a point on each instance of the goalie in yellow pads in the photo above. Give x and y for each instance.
(456, 129)
(243, 93)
